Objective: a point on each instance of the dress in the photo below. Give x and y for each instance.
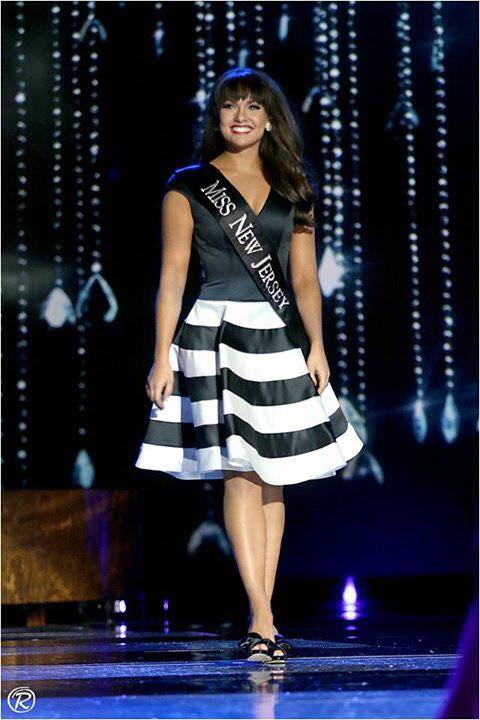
(243, 398)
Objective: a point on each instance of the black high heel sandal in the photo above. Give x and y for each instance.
(246, 648)
(274, 647)
(283, 644)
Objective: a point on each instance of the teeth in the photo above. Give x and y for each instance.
(241, 130)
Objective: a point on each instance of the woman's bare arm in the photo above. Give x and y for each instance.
(176, 230)
(304, 276)
(176, 233)
(308, 296)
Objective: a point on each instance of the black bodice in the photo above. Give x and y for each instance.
(224, 277)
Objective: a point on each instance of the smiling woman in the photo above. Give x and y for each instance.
(241, 390)
(234, 331)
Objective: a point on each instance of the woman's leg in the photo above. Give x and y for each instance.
(274, 510)
(245, 525)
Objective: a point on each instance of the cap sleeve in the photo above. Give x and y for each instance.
(177, 182)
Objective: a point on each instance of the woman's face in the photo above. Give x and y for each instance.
(242, 122)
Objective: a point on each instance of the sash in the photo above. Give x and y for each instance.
(242, 227)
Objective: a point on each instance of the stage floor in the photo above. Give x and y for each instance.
(394, 667)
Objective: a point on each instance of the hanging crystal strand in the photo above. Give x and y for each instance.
(336, 155)
(357, 413)
(230, 16)
(337, 209)
(23, 288)
(78, 168)
(93, 30)
(57, 309)
(450, 421)
(406, 118)
(329, 271)
(210, 48)
(200, 51)
(205, 53)
(283, 22)
(159, 32)
(356, 206)
(258, 53)
(243, 50)
(83, 473)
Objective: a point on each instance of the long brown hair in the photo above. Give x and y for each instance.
(280, 150)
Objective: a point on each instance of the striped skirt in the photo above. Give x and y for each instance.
(243, 400)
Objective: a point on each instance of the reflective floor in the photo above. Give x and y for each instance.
(393, 667)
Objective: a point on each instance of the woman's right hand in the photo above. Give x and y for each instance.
(159, 385)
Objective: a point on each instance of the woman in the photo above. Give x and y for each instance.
(234, 397)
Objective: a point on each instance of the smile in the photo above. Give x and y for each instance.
(239, 130)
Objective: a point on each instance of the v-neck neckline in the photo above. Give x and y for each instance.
(270, 192)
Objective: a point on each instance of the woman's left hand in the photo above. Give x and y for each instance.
(318, 368)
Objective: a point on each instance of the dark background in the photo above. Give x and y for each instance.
(421, 521)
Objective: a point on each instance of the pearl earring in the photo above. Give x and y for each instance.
(268, 126)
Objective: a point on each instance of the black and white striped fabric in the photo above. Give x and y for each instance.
(243, 400)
